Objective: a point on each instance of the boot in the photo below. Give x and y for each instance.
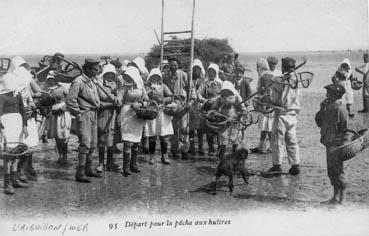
(164, 159)
(210, 140)
(184, 155)
(8, 188)
(30, 170)
(222, 150)
(294, 170)
(126, 157)
(348, 106)
(201, 150)
(15, 181)
(81, 175)
(89, 170)
(20, 169)
(192, 150)
(342, 195)
(133, 164)
(101, 166)
(234, 148)
(110, 165)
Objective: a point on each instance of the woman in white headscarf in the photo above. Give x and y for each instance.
(106, 118)
(265, 122)
(229, 104)
(207, 93)
(132, 94)
(162, 125)
(198, 78)
(344, 76)
(13, 124)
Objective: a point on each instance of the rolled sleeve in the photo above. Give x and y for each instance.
(72, 96)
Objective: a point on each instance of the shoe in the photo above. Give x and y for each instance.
(332, 201)
(88, 169)
(363, 111)
(81, 175)
(152, 160)
(100, 168)
(164, 159)
(351, 115)
(15, 181)
(113, 167)
(274, 171)
(8, 188)
(255, 150)
(294, 170)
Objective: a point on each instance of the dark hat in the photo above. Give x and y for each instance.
(337, 88)
(288, 63)
(170, 59)
(58, 54)
(116, 63)
(90, 62)
(272, 60)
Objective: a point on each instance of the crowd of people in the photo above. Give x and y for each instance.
(100, 107)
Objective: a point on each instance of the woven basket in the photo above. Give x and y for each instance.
(349, 150)
(356, 85)
(13, 153)
(148, 113)
(177, 111)
(261, 106)
(216, 122)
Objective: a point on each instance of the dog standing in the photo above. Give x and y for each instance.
(229, 165)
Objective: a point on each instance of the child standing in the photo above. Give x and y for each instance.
(332, 119)
(59, 122)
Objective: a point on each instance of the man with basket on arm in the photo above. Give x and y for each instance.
(332, 120)
(178, 83)
(83, 102)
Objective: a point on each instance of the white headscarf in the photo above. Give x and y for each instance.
(348, 62)
(17, 78)
(155, 71)
(109, 68)
(197, 62)
(216, 68)
(262, 66)
(227, 85)
(140, 63)
(135, 76)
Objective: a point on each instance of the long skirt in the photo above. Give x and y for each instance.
(161, 126)
(58, 126)
(106, 127)
(131, 125)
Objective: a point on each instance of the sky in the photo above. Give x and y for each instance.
(127, 26)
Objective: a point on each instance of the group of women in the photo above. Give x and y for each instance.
(104, 99)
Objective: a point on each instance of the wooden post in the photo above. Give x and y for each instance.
(162, 36)
(192, 48)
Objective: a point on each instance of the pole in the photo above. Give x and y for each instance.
(192, 48)
(162, 35)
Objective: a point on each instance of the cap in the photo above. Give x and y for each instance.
(91, 62)
(58, 54)
(272, 60)
(337, 88)
(288, 63)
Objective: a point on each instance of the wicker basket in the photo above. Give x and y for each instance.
(177, 111)
(349, 150)
(16, 152)
(148, 113)
(356, 85)
(216, 122)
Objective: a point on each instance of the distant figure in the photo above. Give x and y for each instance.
(344, 76)
(332, 120)
(364, 71)
(272, 62)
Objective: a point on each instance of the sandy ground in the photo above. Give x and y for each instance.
(182, 187)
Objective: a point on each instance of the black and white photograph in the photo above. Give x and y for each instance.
(184, 117)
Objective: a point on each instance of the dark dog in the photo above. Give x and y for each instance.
(230, 165)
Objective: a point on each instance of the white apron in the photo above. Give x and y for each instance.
(265, 123)
(161, 126)
(33, 138)
(131, 126)
(348, 97)
(13, 127)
